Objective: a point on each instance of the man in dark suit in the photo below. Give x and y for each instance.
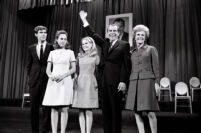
(115, 73)
(121, 24)
(36, 69)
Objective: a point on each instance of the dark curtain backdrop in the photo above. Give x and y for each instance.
(174, 27)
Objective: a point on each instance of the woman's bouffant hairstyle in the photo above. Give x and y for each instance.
(141, 27)
(58, 33)
(93, 50)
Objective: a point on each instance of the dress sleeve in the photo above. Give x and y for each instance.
(72, 57)
(155, 61)
(50, 57)
(97, 60)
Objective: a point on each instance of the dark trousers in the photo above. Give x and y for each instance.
(36, 101)
(111, 108)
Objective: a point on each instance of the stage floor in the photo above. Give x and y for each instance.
(17, 120)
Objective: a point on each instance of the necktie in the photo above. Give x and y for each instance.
(41, 52)
(111, 44)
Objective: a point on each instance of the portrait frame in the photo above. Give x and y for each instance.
(128, 18)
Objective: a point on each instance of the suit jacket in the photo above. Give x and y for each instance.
(36, 68)
(114, 63)
(125, 37)
(144, 63)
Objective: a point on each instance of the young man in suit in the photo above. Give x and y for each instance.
(115, 74)
(36, 70)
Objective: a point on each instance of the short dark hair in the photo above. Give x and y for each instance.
(39, 27)
(119, 20)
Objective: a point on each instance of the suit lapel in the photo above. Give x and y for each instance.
(114, 47)
(46, 51)
(35, 55)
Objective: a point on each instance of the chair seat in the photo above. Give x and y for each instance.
(26, 94)
(164, 88)
(183, 97)
(25, 98)
(198, 88)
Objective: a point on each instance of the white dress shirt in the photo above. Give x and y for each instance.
(38, 48)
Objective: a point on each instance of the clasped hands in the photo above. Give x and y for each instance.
(57, 78)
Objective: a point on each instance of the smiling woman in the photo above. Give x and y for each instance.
(141, 34)
(145, 72)
(59, 90)
(86, 92)
(61, 39)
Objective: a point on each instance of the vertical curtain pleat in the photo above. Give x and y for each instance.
(13, 79)
(26, 4)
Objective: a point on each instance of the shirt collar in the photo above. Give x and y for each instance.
(120, 36)
(44, 44)
(113, 42)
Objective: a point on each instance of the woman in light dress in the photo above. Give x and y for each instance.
(86, 93)
(59, 91)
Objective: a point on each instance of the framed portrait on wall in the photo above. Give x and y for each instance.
(125, 23)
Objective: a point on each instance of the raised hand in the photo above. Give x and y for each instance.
(83, 15)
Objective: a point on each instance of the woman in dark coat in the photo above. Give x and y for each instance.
(145, 71)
